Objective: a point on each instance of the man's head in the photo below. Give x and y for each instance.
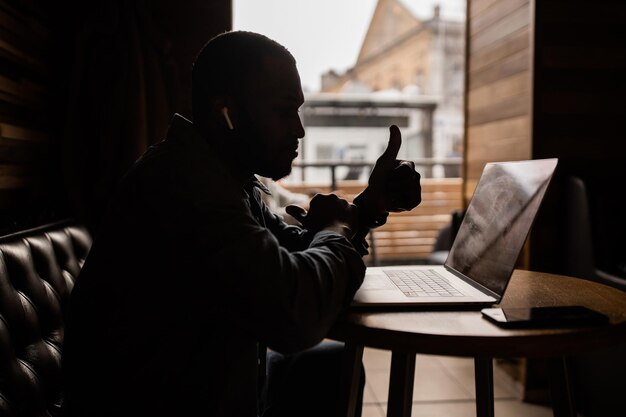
(255, 79)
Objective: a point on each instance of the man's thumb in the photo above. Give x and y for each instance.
(393, 147)
(296, 212)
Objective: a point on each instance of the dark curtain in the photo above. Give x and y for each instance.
(130, 72)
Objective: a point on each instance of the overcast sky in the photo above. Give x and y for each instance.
(323, 34)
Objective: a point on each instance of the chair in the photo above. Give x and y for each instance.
(582, 241)
(445, 238)
(37, 272)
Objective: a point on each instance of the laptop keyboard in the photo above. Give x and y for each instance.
(422, 283)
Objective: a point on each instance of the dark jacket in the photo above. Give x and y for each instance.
(188, 273)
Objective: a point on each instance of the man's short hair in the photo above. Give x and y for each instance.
(226, 62)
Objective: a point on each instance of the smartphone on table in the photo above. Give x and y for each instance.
(536, 317)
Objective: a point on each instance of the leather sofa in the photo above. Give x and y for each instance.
(37, 272)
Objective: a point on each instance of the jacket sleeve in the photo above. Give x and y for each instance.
(288, 287)
(292, 237)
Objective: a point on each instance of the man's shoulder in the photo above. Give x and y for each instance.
(183, 149)
(180, 128)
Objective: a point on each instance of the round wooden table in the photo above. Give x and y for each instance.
(466, 333)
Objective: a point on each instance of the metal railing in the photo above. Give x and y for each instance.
(423, 165)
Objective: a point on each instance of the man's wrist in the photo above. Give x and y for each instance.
(370, 216)
(340, 228)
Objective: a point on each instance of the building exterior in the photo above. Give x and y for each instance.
(402, 58)
(346, 130)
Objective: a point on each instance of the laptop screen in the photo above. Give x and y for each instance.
(498, 220)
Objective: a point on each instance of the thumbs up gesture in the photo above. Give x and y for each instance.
(393, 186)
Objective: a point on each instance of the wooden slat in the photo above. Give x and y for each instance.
(21, 101)
(402, 227)
(20, 87)
(507, 25)
(476, 7)
(24, 91)
(507, 46)
(503, 89)
(22, 152)
(21, 57)
(508, 108)
(383, 234)
(516, 127)
(511, 65)
(37, 49)
(20, 115)
(438, 205)
(8, 183)
(16, 169)
(22, 133)
(424, 211)
(404, 251)
(9, 22)
(17, 24)
(404, 241)
(420, 220)
(495, 14)
(437, 199)
(14, 176)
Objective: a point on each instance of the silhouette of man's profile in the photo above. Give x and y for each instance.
(192, 277)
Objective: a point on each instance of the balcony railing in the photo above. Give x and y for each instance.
(423, 165)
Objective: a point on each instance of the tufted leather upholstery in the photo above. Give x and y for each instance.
(37, 272)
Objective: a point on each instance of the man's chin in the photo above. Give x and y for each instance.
(275, 170)
(280, 176)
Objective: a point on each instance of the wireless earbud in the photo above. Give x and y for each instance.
(228, 121)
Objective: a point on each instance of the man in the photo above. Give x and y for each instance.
(191, 273)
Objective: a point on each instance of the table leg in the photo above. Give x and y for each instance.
(351, 374)
(561, 387)
(401, 381)
(483, 374)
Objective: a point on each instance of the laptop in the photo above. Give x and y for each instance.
(485, 250)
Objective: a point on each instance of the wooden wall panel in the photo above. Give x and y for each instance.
(515, 42)
(507, 24)
(579, 116)
(506, 67)
(494, 15)
(498, 85)
(546, 79)
(503, 89)
(44, 46)
(24, 45)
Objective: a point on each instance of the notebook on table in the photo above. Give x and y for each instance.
(484, 253)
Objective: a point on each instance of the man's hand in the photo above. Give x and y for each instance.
(393, 186)
(327, 211)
